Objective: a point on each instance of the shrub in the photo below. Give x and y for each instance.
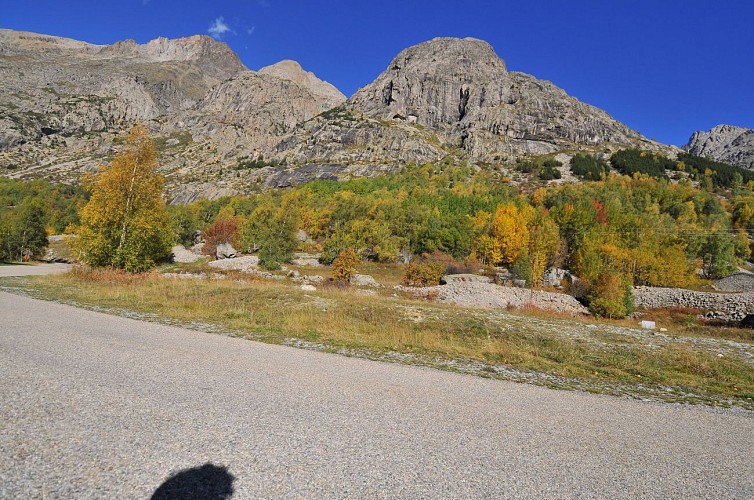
(344, 265)
(612, 297)
(423, 274)
(588, 167)
(220, 232)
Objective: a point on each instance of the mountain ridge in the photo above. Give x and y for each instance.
(65, 105)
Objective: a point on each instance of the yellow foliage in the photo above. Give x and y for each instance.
(125, 222)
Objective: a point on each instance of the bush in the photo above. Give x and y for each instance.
(344, 265)
(423, 274)
(220, 232)
(612, 297)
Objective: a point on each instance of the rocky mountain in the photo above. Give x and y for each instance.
(221, 128)
(461, 92)
(51, 85)
(725, 143)
(65, 106)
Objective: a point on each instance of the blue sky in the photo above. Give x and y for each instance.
(664, 67)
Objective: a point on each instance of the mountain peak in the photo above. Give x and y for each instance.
(292, 71)
(726, 143)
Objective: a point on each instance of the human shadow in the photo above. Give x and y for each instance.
(207, 482)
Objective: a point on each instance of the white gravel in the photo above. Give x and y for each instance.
(490, 296)
(96, 406)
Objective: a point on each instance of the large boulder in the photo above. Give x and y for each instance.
(225, 251)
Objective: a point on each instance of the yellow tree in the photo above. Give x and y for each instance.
(544, 238)
(510, 231)
(125, 222)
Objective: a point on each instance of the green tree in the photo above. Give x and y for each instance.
(719, 255)
(125, 223)
(272, 230)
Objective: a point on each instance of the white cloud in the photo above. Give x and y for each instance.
(218, 28)
(251, 30)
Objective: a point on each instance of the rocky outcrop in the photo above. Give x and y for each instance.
(51, 86)
(725, 143)
(250, 113)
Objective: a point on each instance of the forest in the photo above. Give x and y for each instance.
(633, 226)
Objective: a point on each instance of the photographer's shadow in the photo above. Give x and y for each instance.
(210, 482)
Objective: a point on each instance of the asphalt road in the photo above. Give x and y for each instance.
(95, 406)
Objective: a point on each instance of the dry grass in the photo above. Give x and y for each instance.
(340, 317)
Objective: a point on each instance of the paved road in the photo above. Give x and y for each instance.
(32, 270)
(95, 406)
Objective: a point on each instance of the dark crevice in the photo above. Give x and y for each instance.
(387, 93)
(463, 103)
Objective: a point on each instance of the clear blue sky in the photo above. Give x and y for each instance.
(664, 67)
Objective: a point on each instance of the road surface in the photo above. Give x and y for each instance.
(96, 406)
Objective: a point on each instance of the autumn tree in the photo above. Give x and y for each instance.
(125, 223)
(543, 244)
(344, 265)
(272, 231)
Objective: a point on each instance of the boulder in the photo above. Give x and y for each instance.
(225, 251)
(180, 254)
(364, 280)
(556, 277)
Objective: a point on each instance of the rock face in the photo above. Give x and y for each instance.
(452, 94)
(51, 86)
(251, 112)
(725, 143)
(65, 105)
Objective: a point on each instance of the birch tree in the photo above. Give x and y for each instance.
(125, 223)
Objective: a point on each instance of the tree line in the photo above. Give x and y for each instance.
(613, 234)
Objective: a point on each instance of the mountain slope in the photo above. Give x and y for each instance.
(725, 143)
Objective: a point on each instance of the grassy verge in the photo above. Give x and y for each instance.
(606, 358)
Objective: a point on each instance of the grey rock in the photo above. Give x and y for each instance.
(725, 143)
(180, 254)
(455, 94)
(364, 280)
(556, 277)
(723, 306)
(327, 94)
(225, 251)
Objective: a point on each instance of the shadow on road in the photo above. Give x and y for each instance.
(208, 482)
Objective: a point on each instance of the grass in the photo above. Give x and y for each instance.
(562, 352)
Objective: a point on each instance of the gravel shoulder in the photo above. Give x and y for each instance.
(99, 406)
